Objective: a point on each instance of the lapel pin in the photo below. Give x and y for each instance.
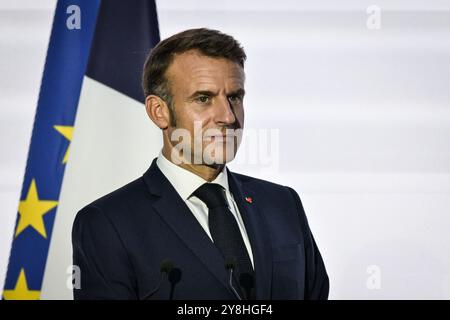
(249, 199)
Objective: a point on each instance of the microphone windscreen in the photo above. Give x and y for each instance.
(166, 265)
(230, 263)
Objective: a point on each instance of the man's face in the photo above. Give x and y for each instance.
(208, 103)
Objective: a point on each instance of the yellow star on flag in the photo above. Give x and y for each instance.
(67, 132)
(21, 291)
(32, 210)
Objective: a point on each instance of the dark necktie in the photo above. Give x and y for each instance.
(226, 234)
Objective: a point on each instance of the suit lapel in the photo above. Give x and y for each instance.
(174, 211)
(258, 234)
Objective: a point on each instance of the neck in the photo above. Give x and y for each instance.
(207, 172)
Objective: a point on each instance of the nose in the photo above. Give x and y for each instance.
(225, 112)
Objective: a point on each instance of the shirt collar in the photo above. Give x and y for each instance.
(184, 181)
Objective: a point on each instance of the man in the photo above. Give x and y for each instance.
(189, 228)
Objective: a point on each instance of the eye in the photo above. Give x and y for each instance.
(235, 98)
(203, 99)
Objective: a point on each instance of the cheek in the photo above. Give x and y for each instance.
(203, 118)
(186, 116)
(195, 122)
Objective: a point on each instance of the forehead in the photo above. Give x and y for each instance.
(192, 69)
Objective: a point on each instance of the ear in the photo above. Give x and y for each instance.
(158, 111)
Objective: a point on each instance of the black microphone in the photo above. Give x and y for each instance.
(166, 267)
(230, 265)
(174, 278)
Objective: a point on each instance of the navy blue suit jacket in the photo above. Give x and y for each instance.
(120, 240)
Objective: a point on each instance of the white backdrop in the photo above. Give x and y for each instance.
(363, 118)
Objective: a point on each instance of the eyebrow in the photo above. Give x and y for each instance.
(240, 92)
(202, 93)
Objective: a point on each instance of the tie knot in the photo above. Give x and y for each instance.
(212, 194)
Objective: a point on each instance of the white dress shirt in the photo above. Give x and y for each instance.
(186, 182)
